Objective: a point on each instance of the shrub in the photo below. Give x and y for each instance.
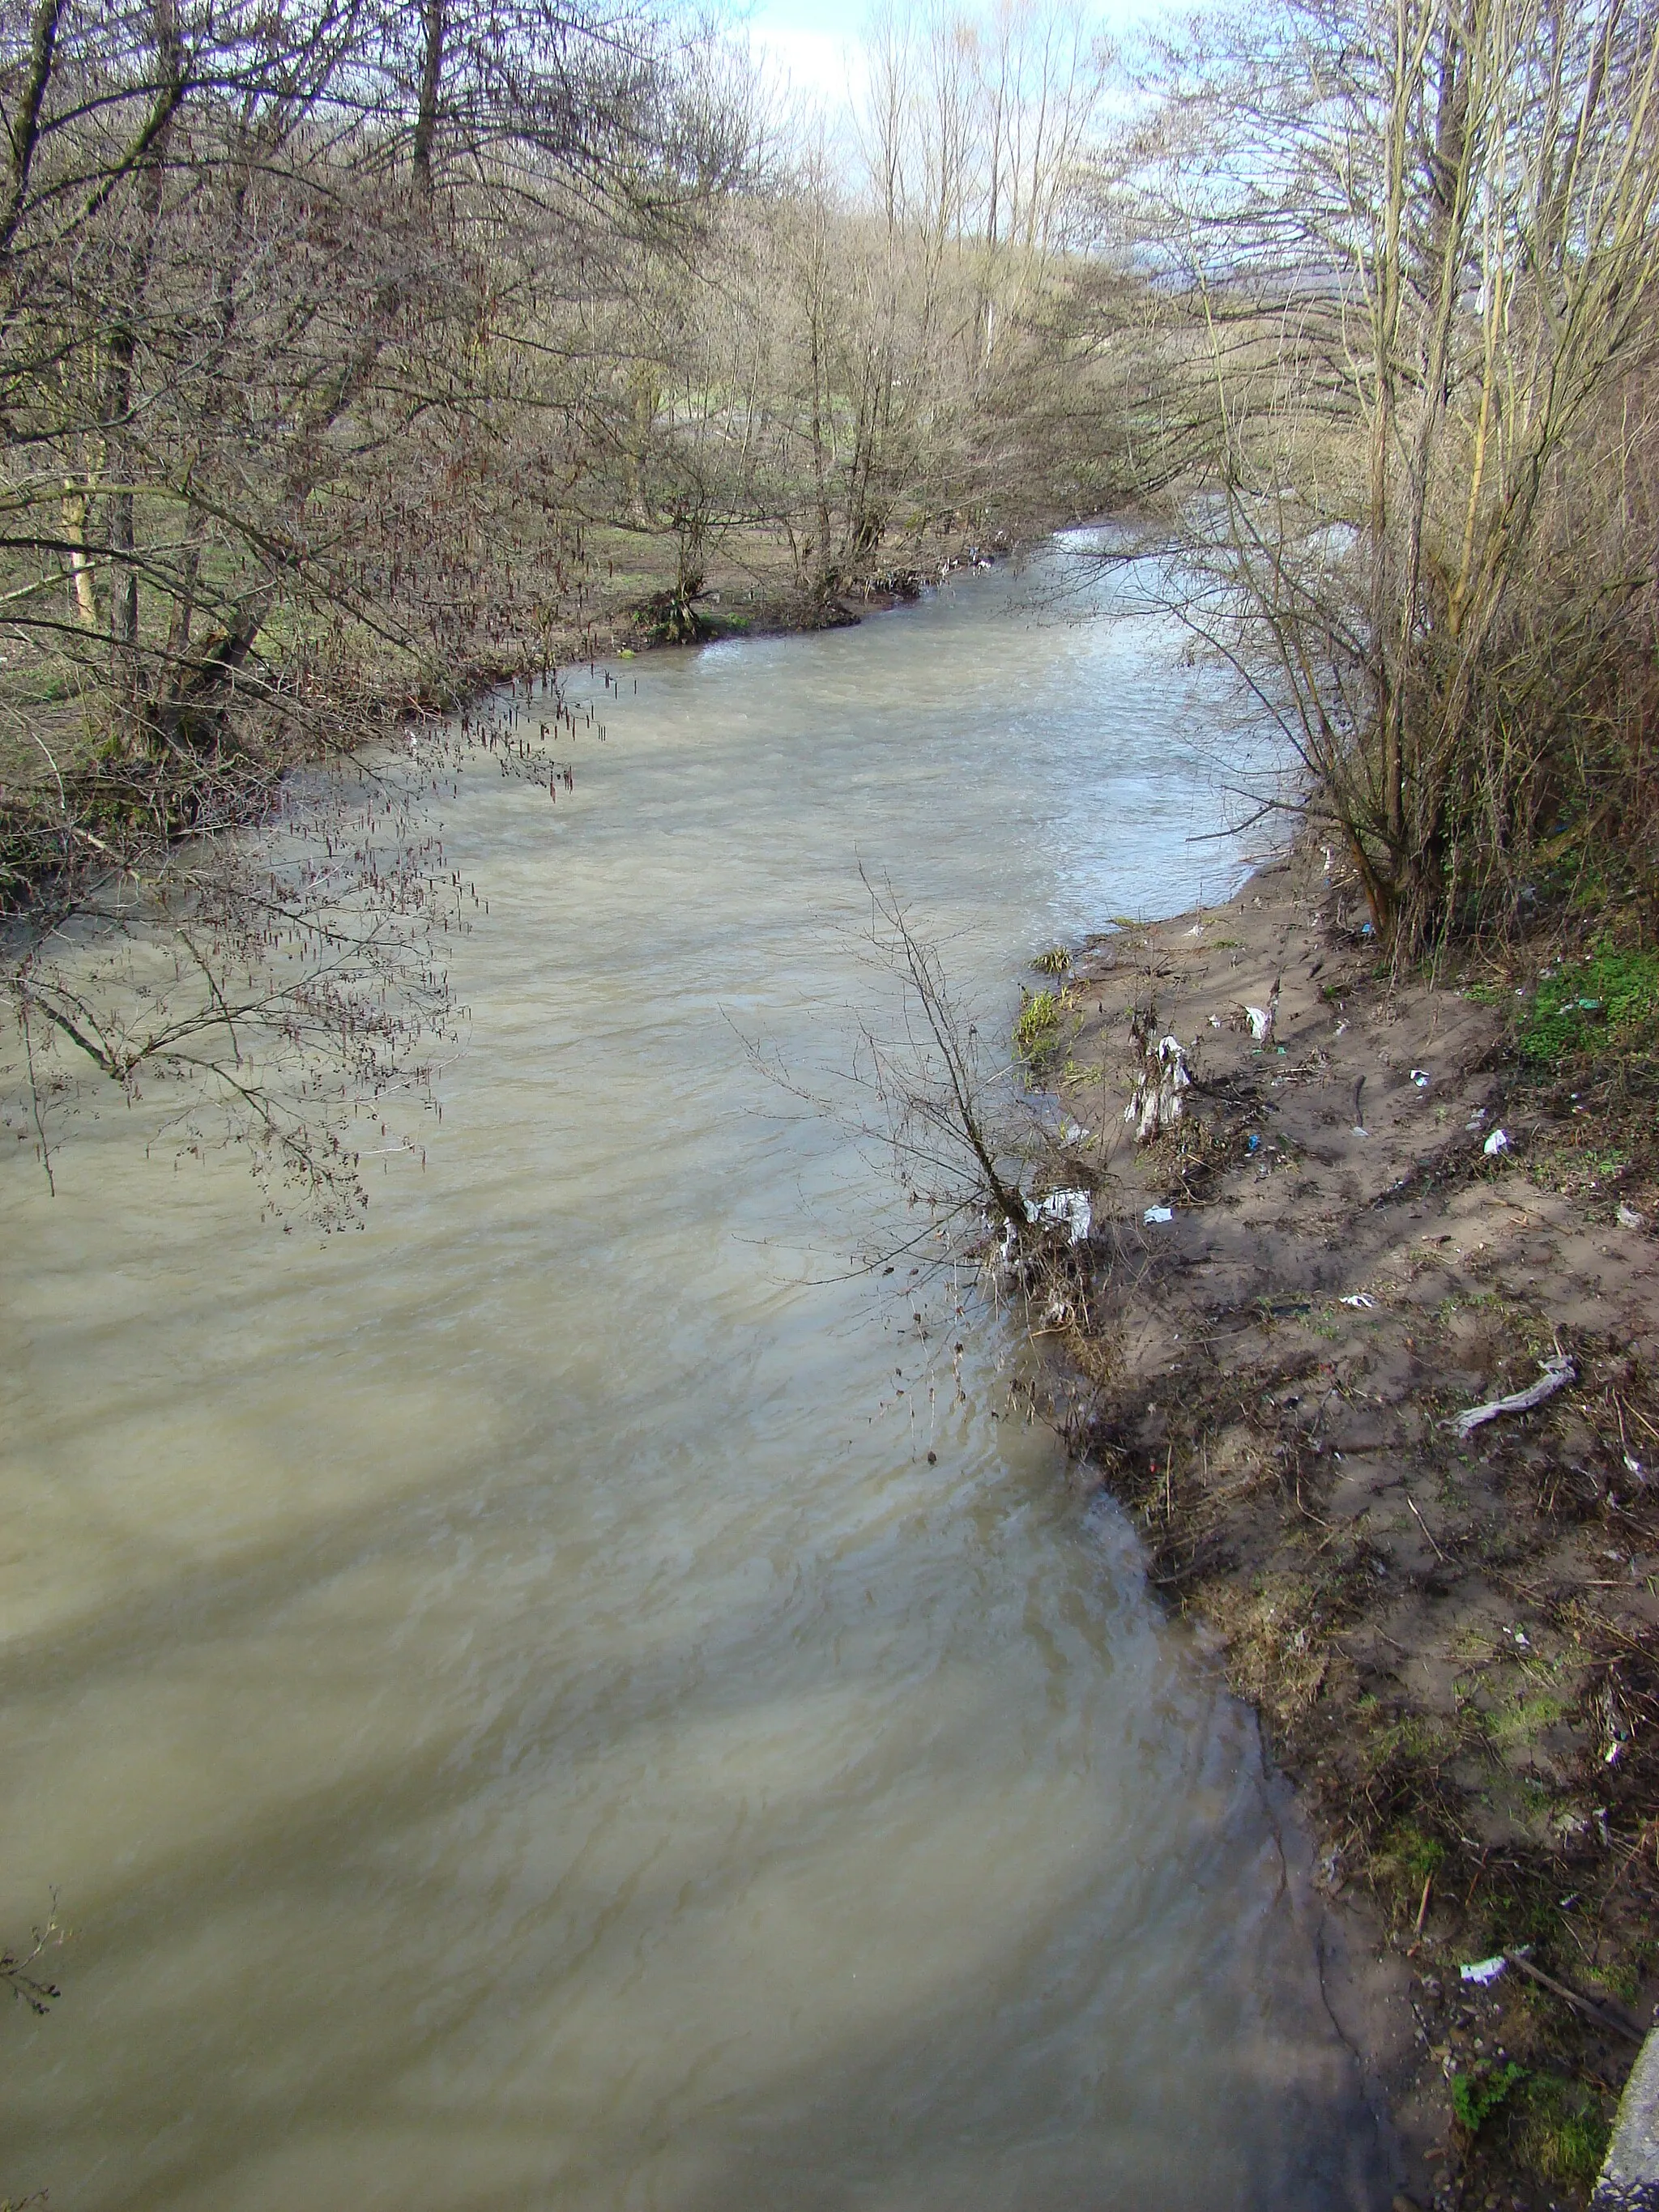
(1475, 2097)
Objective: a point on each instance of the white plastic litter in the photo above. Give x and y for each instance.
(1360, 1298)
(1557, 1374)
(1155, 1213)
(1263, 1019)
(1483, 1970)
(1070, 1210)
(1629, 1218)
(1498, 1142)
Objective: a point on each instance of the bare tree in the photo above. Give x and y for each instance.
(327, 331)
(272, 338)
(1408, 275)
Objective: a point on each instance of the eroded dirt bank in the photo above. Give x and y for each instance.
(1451, 1638)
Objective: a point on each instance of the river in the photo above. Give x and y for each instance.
(557, 1700)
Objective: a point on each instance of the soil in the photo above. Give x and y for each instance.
(1453, 1641)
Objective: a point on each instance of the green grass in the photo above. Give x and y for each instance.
(1521, 1720)
(1607, 995)
(1623, 1977)
(1562, 2137)
(1037, 1027)
(1417, 1855)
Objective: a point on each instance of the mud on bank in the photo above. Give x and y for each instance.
(1451, 1639)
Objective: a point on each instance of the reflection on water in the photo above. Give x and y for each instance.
(513, 1714)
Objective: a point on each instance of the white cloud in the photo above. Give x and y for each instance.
(810, 62)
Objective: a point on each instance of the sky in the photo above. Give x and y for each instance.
(807, 41)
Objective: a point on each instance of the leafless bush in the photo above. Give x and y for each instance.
(281, 986)
(988, 1185)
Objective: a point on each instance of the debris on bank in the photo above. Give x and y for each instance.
(1371, 1349)
(1070, 1210)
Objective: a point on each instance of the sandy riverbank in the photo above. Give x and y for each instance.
(1451, 1640)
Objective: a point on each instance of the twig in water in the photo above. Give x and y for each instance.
(34, 1093)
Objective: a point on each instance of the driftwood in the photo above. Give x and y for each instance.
(1558, 1373)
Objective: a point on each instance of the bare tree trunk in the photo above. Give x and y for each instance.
(26, 126)
(426, 116)
(825, 584)
(121, 356)
(82, 577)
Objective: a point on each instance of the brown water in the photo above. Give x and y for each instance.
(512, 1716)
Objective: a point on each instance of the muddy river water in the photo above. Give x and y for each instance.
(513, 1714)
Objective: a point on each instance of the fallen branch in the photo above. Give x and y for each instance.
(1558, 1373)
(1603, 2015)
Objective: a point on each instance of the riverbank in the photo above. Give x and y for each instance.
(750, 588)
(69, 798)
(1450, 1638)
